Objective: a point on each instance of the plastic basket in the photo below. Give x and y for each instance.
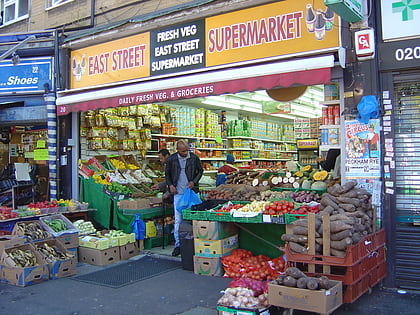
(157, 241)
(351, 274)
(214, 215)
(188, 214)
(290, 218)
(354, 291)
(354, 253)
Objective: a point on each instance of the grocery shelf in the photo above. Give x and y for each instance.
(181, 137)
(212, 149)
(329, 126)
(212, 159)
(332, 102)
(326, 147)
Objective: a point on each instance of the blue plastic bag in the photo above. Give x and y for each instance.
(368, 108)
(188, 199)
(139, 228)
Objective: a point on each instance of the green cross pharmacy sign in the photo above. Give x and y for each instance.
(400, 19)
(406, 7)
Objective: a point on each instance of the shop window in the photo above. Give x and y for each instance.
(50, 4)
(15, 10)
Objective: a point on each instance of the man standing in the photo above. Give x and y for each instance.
(183, 170)
(163, 156)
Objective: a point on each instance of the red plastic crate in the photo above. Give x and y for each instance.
(354, 253)
(3, 232)
(377, 274)
(346, 274)
(353, 291)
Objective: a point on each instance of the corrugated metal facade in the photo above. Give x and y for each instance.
(407, 197)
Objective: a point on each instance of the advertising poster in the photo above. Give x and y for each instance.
(362, 149)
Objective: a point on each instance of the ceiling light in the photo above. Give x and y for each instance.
(221, 104)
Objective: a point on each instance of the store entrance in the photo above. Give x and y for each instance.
(23, 165)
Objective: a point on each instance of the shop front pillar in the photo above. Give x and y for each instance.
(52, 143)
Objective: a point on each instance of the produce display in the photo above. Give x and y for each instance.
(305, 196)
(116, 187)
(84, 227)
(32, 230)
(242, 298)
(21, 258)
(240, 192)
(7, 213)
(278, 207)
(57, 225)
(242, 263)
(52, 253)
(294, 277)
(350, 212)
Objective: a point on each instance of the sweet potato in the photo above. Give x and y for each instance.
(356, 237)
(340, 235)
(345, 200)
(300, 230)
(327, 201)
(301, 282)
(338, 253)
(338, 226)
(304, 222)
(324, 282)
(348, 186)
(289, 281)
(280, 279)
(294, 272)
(327, 209)
(294, 238)
(347, 206)
(342, 244)
(297, 248)
(335, 190)
(312, 284)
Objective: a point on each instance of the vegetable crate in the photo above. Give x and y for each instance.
(348, 274)
(215, 215)
(201, 215)
(69, 227)
(157, 241)
(354, 253)
(290, 218)
(225, 310)
(10, 273)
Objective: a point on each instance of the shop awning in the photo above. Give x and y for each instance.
(307, 71)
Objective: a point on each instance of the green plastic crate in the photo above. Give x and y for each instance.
(213, 215)
(188, 214)
(289, 218)
(149, 212)
(158, 241)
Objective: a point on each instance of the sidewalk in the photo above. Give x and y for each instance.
(178, 292)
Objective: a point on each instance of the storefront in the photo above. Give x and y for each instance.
(27, 117)
(205, 58)
(400, 75)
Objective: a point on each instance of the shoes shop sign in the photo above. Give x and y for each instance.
(28, 76)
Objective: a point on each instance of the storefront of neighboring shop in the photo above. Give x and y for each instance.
(28, 135)
(399, 56)
(260, 48)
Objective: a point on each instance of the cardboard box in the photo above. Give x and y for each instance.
(19, 226)
(133, 204)
(7, 241)
(70, 228)
(213, 230)
(69, 240)
(59, 268)
(131, 238)
(225, 310)
(128, 250)
(317, 301)
(208, 266)
(99, 257)
(22, 277)
(94, 242)
(215, 248)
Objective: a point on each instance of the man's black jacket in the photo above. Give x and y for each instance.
(193, 170)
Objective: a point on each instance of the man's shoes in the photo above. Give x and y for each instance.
(176, 251)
